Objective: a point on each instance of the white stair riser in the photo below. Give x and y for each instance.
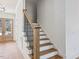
(41, 37)
(48, 55)
(44, 41)
(41, 29)
(46, 47)
(42, 33)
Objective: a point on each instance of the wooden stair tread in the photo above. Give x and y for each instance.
(41, 45)
(56, 57)
(40, 39)
(46, 44)
(32, 34)
(41, 31)
(47, 51)
(44, 39)
(42, 34)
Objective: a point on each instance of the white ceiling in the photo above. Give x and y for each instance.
(9, 5)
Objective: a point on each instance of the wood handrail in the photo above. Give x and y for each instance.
(28, 18)
(36, 36)
(33, 25)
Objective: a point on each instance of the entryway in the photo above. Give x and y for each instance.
(6, 29)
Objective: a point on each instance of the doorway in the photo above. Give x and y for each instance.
(6, 29)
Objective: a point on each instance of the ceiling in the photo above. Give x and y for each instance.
(9, 5)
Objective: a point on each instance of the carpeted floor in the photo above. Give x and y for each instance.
(8, 50)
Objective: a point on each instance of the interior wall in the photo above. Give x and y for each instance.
(72, 29)
(19, 28)
(51, 16)
(31, 6)
(18, 23)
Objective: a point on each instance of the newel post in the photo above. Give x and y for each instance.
(36, 41)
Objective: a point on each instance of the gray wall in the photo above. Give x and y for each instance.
(51, 16)
(31, 6)
(72, 29)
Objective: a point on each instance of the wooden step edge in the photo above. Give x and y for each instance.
(44, 39)
(41, 31)
(29, 35)
(42, 34)
(45, 52)
(48, 51)
(56, 57)
(53, 57)
(40, 40)
(46, 44)
(41, 45)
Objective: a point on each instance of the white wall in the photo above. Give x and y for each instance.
(19, 28)
(51, 15)
(18, 23)
(72, 29)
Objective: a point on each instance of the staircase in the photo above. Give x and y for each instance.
(39, 45)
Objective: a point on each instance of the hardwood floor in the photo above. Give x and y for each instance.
(8, 50)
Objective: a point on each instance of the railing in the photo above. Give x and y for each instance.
(35, 36)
